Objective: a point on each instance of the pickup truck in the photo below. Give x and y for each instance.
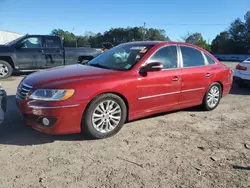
(35, 52)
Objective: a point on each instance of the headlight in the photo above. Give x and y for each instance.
(52, 94)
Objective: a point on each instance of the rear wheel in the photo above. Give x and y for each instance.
(5, 69)
(212, 97)
(105, 116)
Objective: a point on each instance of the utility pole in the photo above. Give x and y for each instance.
(144, 31)
(75, 36)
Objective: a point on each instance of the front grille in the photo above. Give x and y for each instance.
(23, 90)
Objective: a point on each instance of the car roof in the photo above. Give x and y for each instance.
(160, 43)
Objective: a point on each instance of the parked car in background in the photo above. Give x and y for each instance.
(34, 52)
(242, 73)
(99, 97)
(3, 103)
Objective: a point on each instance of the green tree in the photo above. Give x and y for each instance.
(247, 34)
(83, 41)
(197, 39)
(114, 35)
(222, 43)
(156, 34)
(69, 39)
(236, 40)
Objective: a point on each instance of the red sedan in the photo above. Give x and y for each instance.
(127, 82)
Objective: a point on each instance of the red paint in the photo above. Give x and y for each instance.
(90, 82)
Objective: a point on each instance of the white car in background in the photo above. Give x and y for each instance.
(242, 73)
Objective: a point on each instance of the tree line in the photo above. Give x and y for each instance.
(234, 40)
(114, 35)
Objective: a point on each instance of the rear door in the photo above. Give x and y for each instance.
(53, 52)
(195, 75)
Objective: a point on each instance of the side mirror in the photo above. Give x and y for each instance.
(151, 67)
(19, 45)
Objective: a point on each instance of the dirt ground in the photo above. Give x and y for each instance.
(183, 149)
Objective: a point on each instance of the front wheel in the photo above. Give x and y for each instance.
(212, 97)
(5, 69)
(104, 116)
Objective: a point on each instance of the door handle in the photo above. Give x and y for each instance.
(207, 75)
(176, 78)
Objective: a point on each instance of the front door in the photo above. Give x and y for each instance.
(160, 90)
(195, 74)
(53, 52)
(29, 53)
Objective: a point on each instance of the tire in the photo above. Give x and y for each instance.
(207, 104)
(5, 69)
(90, 123)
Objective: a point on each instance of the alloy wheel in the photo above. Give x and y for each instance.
(3, 70)
(213, 96)
(106, 116)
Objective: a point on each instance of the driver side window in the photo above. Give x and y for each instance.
(31, 42)
(167, 56)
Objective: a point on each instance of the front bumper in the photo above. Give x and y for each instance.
(66, 118)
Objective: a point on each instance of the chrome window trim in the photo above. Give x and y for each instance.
(215, 63)
(53, 107)
(205, 59)
(171, 93)
(167, 45)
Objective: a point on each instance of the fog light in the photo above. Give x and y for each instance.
(45, 121)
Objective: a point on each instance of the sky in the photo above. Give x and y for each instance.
(176, 17)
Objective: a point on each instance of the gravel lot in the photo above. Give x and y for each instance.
(187, 148)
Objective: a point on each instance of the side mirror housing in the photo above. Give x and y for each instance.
(151, 67)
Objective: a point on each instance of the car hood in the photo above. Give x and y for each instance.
(67, 74)
(4, 48)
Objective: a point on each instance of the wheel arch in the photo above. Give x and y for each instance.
(221, 85)
(115, 93)
(9, 60)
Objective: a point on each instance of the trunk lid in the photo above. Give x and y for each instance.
(247, 65)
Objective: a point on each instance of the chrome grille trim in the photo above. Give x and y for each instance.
(23, 90)
(26, 85)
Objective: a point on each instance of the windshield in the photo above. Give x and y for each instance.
(14, 41)
(122, 57)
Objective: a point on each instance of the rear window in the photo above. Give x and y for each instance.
(191, 57)
(209, 60)
(52, 42)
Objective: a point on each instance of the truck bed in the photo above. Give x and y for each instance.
(73, 54)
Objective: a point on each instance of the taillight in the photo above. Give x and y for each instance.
(240, 67)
